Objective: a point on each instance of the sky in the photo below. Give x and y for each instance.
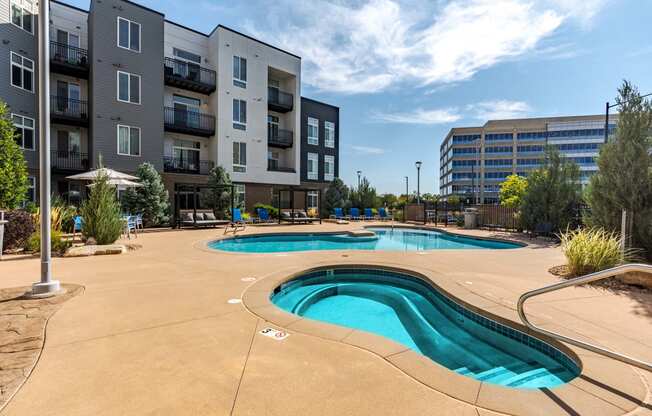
(404, 72)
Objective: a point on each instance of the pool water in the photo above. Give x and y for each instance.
(413, 313)
(387, 238)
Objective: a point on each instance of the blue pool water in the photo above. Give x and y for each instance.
(387, 238)
(413, 313)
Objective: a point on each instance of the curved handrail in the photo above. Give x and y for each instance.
(603, 274)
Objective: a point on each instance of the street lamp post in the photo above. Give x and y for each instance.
(608, 106)
(359, 173)
(418, 165)
(46, 286)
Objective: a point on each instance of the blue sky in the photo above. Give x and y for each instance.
(403, 72)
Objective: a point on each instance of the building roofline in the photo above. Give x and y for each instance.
(319, 102)
(186, 27)
(252, 38)
(144, 7)
(79, 9)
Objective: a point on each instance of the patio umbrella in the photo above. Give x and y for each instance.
(122, 182)
(110, 173)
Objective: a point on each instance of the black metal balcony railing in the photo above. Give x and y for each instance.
(69, 60)
(178, 165)
(189, 122)
(189, 76)
(280, 138)
(68, 111)
(274, 166)
(67, 160)
(279, 101)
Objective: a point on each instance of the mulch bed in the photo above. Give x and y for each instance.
(612, 284)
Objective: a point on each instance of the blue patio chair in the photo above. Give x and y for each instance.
(78, 224)
(368, 214)
(355, 214)
(263, 215)
(236, 221)
(139, 221)
(382, 214)
(339, 214)
(130, 225)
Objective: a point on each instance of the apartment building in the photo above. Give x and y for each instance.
(474, 161)
(129, 86)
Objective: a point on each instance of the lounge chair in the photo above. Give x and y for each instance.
(263, 215)
(302, 216)
(339, 214)
(382, 214)
(139, 221)
(236, 221)
(354, 214)
(130, 225)
(368, 214)
(78, 224)
(202, 219)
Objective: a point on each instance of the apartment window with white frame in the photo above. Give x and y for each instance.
(128, 34)
(239, 72)
(22, 14)
(25, 129)
(128, 87)
(128, 140)
(329, 134)
(186, 56)
(239, 157)
(313, 166)
(239, 114)
(329, 168)
(313, 131)
(239, 191)
(22, 72)
(313, 200)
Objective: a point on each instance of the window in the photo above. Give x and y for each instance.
(22, 72)
(128, 88)
(272, 160)
(329, 133)
(313, 166)
(239, 157)
(128, 140)
(329, 168)
(239, 191)
(25, 131)
(313, 131)
(31, 189)
(313, 200)
(239, 114)
(128, 34)
(22, 14)
(186, 56)
(239, 72)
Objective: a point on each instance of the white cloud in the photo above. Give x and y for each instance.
(367, 150)
(366, 46)
(497, 110)
(419, 116)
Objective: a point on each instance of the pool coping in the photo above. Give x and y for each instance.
(586, 393)
(204, 245)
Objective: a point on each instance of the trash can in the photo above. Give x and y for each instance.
(470, 218)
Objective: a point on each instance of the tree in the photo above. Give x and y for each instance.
(13, 168)
(364, 196)
(151, 199)
(336, 196)
(101, 212)
(219, 183)
(512, 191)
(389, 200)
(624, 179)
(552, 194)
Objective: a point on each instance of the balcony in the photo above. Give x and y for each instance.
(274, 166)
(173, 164)
(69, 60)
(64, 110)
(188, 122)
(64, 160)
(280, 138)
(189, 76)
(279, 101)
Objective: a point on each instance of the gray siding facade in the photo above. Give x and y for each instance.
(323, 112)
(106, 60)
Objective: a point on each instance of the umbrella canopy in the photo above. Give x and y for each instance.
(122, 182)
(110, 173)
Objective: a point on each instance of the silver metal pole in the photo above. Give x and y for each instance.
(2, 231)
(46, 286)
(623, 231)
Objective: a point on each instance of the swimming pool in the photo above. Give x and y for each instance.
(411, 312)
(386, 238)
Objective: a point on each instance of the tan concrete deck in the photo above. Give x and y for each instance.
(153, 333)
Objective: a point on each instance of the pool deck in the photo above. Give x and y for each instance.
(154, 333)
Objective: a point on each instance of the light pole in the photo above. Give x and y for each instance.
(606, 113)
(47, 286)
(418, 165)
(359, 173)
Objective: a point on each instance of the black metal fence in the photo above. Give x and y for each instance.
(67, 160)
(189, 121)
(66, 54)
(278, 98)
(185, 71)
(178, 165)
(62, 106)
(280, 138)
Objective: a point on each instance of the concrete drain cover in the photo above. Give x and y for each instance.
(234, 301)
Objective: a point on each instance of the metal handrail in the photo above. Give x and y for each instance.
(593, 277)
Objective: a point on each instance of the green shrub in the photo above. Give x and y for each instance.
(273, 211)
(58, 244)
(590, 250)
(13, 168)
(20, 226)
(101, 213)
(151, 199)
(459, 220)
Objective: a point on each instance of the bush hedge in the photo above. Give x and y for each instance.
(18, 230)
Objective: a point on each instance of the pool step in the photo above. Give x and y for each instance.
(464, 371)
(498, 374)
